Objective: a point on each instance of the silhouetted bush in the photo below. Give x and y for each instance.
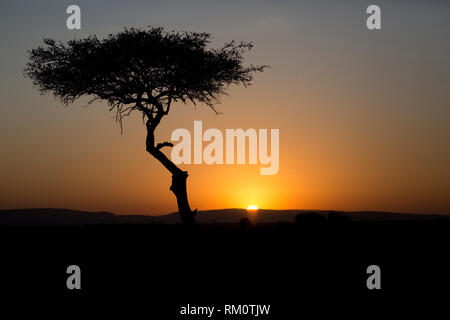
(245, 224)
(338, 218)
(310, 218)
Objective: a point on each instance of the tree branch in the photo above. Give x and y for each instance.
(169, 101)
(160, 145)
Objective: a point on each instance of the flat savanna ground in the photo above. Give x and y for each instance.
(291, 267)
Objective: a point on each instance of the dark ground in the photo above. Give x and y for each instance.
(158, 268)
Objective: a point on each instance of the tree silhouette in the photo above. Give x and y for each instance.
(144, 70)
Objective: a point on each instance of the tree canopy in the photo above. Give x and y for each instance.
(140, 69)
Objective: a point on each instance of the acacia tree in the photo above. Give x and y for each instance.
(146, 71)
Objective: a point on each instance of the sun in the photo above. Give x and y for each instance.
(252, 207)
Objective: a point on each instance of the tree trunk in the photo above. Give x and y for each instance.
(179, 178)
(178, 188)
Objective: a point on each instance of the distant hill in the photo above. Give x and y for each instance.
(67, 217)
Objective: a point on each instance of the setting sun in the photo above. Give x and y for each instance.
(252, 207)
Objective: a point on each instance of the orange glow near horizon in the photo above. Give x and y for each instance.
(103, 170)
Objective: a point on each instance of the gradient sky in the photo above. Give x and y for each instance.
(363, 115)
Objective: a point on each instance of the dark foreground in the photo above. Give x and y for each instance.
(157, 269)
